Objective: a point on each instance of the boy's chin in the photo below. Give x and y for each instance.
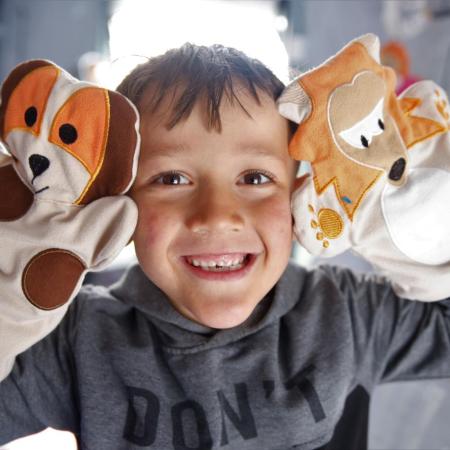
(219, 316)
(223, 323)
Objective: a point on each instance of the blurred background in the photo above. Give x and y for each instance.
(102, 40)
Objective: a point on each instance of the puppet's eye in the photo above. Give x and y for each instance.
(381, 124)
(364, 141)
(68, 133)
(30, 116)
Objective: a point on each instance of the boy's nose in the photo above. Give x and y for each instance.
(215, 211)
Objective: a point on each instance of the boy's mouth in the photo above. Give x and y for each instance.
(220, 267)
(219, 263)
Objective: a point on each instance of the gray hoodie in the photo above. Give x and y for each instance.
(124, 370)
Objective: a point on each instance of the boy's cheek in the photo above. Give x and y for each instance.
(277, 218)
(149, 226)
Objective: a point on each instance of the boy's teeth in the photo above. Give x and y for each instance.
(224, 263)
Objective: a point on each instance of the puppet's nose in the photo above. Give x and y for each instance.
(38, 164)
(397, 169)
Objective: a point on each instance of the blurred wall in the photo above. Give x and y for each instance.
(59, 30)
(329, 24)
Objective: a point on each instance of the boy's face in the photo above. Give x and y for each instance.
(215, 228)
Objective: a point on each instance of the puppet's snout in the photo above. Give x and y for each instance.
(397, 170)
(38, 164)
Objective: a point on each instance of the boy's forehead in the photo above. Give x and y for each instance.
(250, 128)
(161, 109)
(260, 130)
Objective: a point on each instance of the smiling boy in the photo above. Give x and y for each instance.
(215, 340)
(215, 228)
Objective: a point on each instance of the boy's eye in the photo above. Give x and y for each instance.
(171, 178)
(256, 177)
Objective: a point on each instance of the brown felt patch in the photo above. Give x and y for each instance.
(50, 278)
(15, 197)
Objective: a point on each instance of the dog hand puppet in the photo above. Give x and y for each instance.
(72, 152)
(380, 164)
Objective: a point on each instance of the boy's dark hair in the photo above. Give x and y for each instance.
(199, 72)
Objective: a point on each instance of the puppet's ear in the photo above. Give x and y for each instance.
(371, 42)
(294, 103)
(117, 167)
(13, 80)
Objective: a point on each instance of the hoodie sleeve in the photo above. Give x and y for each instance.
(394, 339)
(40, 391)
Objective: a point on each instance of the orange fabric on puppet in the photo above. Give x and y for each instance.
(380, 168)
(395, 55)
(72, 154)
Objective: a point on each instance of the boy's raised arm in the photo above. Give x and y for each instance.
(390, 338)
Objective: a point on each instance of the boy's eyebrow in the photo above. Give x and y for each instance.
(259, 150)
(176, 149)
(168, 150)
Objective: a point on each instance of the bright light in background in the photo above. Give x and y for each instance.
(143, 28)
(281, 23)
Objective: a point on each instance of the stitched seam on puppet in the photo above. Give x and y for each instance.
(25, 129)
(415, 103)
(350, 214)
(102, 155)
(33, 260)
(443, 131)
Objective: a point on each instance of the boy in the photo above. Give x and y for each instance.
(215, 341)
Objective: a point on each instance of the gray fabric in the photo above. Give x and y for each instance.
(124, 370)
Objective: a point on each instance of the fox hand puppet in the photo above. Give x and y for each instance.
(380, 168)
(71, 154)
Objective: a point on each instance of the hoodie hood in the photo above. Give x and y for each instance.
(186, 336)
